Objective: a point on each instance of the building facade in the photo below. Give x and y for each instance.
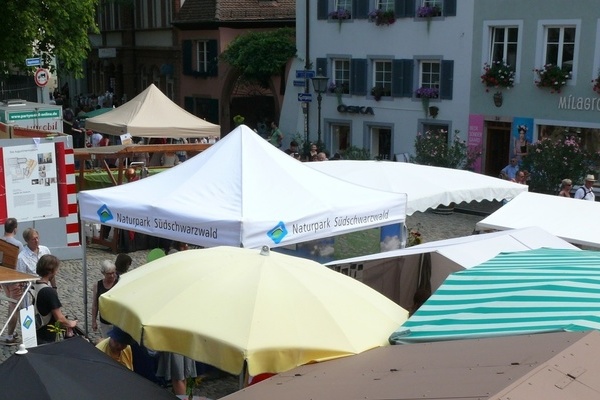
(388, 78)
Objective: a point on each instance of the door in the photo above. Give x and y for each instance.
(497, 153)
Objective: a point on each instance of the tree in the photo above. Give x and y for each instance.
(47, 28)
(260, 55)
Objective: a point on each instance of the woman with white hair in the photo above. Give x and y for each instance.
(109, 271)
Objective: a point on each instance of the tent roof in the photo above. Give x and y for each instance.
(152, 114)
(534, 291)
(572, 220)
(469, 251)
(425, 186)
(545, 365)
(242, 191)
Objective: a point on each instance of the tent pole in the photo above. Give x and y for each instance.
(85, 288)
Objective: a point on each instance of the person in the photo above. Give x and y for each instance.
(169, 159)
(13, 291)
(276, 135)
(176, 246)
(521, 143)
(313, 151)
(585, 192)
(321, 156)
(10, 232)
(122, 263)
(117, 346)
(31, 253)
(510, 171)
(565, 188)
(521, 177)
(47, 303)
(108, 270)
(293, 149)
(176, 369)
(131, 175)
(105, 141)
(95, 139)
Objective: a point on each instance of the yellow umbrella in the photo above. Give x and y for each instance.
(227, 305)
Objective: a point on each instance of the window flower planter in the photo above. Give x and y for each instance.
(381, 17)
(497, 75)
(552, 76)
(340, 15)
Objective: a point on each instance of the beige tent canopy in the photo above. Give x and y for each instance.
(152, 114)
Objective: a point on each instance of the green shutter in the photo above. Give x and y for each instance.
(449, 8)
(406, 76)
(187, 57)
(322, 9)
(213, 58)
(447, 83)
(358, 76)
(360, 9)
(404, 8)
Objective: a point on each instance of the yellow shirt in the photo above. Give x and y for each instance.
(125, 357)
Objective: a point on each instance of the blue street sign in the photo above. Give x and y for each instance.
(299, 82)
(305, 97)
(33, 62)
(304, 74)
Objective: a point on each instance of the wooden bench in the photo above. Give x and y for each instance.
(8, 254)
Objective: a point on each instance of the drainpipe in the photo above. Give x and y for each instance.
(307, 67)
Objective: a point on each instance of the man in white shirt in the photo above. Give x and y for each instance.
(585, 192)
(31, 253)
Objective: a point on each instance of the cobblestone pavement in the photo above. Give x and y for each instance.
(70, 282)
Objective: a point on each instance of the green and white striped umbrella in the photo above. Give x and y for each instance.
(543, 290)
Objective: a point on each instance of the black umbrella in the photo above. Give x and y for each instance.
(72, 369)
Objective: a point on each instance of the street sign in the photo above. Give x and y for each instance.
(41, 77)
(299, 82)
(33, 62)
(305, 97)
(304, 74)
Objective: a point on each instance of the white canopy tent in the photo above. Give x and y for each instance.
(575, 221)
(152, 114)
(425, 186)
(242, 192)
(397, 273)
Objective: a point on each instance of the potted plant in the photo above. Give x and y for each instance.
(425, 94)
(596, 82)
(378, 92)
(381, 17)
(238, 120)
(339, 90)
(429, 12)
(340, 14)
(552, 76)
(498, 75)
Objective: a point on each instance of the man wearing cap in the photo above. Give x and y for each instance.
(585, 192)
(117, 346)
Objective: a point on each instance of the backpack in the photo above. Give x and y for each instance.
(34, 290)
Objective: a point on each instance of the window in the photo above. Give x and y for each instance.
(560, 46)
(503, 45)
(433, 3)
(385, 5)
(340, 138)
(341, 75)
(431, 8)
(382, 76)
(429, 74)
(200, 62)
(344, 5)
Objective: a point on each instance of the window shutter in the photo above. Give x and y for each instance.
(406, 77)
(213, 58)
(446, 86)
(322, 67)
(397, 78)
(187, 57)
(404, 8)
(322, 9)
(213, 110)
(360, 9)
(188, 104)
(358, 74)
(449, 8)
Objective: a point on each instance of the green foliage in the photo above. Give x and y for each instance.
(47, 28)
(435, 149)
(260, 55)
(553, 159)
(238, 120)
(356, 153)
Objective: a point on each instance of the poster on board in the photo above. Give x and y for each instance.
(31, 182)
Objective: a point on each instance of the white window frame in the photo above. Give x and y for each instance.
(200, 51)
(486, 51)
(343, 4)
(383, 76)
(540, 53)
(430, 82)
(341, 73)
(385, 5)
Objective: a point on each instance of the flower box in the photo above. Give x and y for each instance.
(340, 14)
(427, 92)
(498, 74)
(381, 17)
(429, 11)
(552, 76)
